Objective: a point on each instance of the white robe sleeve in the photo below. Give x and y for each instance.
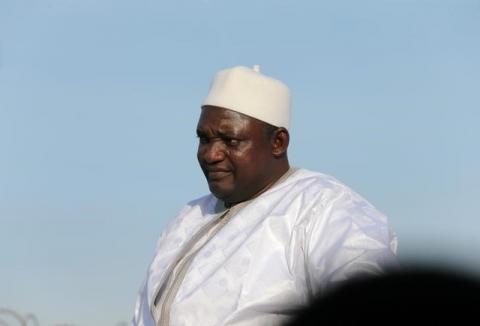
(142, 315)
(346, 237)
(141, 307)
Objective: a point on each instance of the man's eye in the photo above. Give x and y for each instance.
(202, 140)
(231, 141)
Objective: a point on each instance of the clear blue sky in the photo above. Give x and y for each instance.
(98, 106)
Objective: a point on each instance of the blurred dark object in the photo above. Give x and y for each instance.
(417, 296)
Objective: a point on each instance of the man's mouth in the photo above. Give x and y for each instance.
(214, 175)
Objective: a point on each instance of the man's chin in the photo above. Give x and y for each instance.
(222, 193)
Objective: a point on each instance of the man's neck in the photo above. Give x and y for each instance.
(279, 176)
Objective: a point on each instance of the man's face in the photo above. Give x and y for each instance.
(234, 154)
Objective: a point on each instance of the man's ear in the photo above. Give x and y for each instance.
(280, 140)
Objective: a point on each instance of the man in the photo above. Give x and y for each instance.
(269, 237)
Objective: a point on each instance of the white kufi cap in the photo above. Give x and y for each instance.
(247, 91)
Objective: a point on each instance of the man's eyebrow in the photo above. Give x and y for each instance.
(229, 132)
(223, 133)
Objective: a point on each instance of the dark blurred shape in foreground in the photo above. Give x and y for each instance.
(420, 296)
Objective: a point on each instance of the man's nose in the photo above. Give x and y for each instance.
(213, 151)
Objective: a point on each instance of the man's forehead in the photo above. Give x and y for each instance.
(223, 121)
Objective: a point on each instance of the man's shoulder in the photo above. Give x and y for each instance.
(203, 200)
(316, 187)
(194, 211)
(309, 180)
(205, 203)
